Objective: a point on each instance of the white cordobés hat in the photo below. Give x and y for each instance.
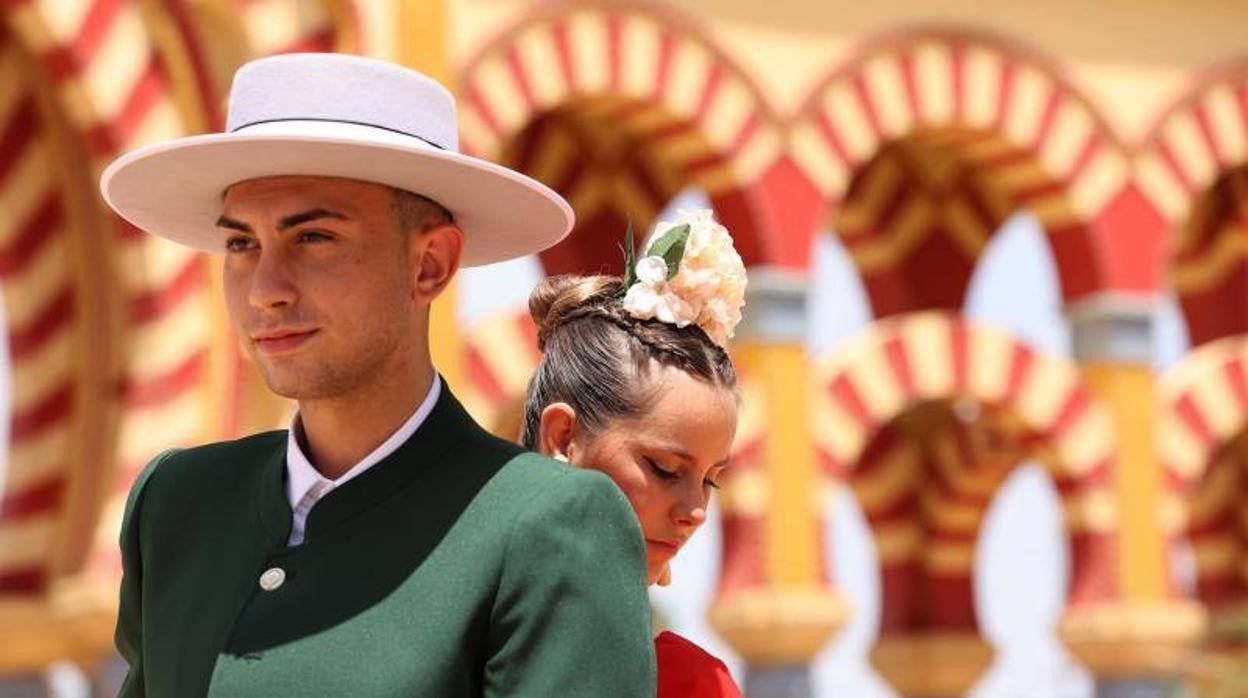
(335, 115)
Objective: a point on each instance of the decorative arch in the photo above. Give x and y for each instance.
(1201, 135)
(1194, 169)
(120, 74)
(110, 101)
(630, 69)
(110, 351)
(989, 126)
(179, 382)
(1203, 404)
(62, 412)
(979, 402)
(59, 266)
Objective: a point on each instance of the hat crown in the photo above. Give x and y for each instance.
(346, 89)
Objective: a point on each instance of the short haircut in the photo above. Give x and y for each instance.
(415, 212)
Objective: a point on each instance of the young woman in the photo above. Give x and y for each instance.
(635, 382)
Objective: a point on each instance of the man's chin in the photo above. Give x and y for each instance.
(288, 384)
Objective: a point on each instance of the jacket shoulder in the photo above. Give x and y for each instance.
(210, 471)
(246, 453)
(534, 474)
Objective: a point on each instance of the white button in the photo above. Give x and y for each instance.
(273, 578)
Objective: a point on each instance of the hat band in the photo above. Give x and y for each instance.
(287, 120)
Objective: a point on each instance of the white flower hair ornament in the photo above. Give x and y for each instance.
(690, 274)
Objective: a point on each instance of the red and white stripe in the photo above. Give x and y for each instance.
(936, 79)
(1203, 414)
(1043, 410)
(1200, 137)
(554, 58)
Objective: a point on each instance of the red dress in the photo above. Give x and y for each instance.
(688, 671)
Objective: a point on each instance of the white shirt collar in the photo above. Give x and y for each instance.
(301, 475)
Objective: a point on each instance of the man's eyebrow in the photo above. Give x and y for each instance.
(226, 222)
(308, 216)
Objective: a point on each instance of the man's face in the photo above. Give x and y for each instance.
(318, 282)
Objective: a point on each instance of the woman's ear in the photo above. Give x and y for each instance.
(558, 428)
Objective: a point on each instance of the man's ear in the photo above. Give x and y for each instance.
(436, 253)
(557, 431)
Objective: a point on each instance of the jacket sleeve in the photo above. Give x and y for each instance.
(572, 617)
(128, 636)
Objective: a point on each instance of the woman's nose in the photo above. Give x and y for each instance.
(691, 511)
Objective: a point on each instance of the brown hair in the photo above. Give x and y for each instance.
(594, 353)
(415, 212)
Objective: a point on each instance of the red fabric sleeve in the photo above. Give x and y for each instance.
(688, 671)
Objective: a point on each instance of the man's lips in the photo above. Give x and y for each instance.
(281, 341)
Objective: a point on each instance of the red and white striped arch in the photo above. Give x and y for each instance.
(1203, 403)
(1200, 137)
(932, 79)
(636, 53)
(45, 328)
(110, 69)
(109, 83)
(925, 483)
(904, 362)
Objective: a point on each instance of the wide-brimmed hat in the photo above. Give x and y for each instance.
(335, 115)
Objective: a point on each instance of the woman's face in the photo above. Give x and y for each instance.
(667, 460)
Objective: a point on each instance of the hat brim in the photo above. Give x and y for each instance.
(174, 189)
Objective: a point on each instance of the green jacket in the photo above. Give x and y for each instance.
(458, 566)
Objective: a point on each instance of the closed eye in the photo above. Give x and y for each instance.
(663, 474)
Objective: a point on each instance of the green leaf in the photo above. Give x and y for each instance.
(671, 247)
(630, 258)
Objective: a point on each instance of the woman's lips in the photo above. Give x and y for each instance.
(668, 547)
(281, 342)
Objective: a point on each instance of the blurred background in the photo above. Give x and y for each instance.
(995, 373)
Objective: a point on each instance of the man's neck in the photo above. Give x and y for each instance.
(340, 432)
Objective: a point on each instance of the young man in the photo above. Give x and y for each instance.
(385, 545)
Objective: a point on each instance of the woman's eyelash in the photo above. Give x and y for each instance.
(669, 475)
(665, 474)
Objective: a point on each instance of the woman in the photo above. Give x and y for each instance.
(635, 382)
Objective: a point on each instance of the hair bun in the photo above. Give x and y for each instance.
(556, 297)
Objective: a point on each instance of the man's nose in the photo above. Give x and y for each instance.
(271, 283)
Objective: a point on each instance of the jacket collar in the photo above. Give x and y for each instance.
(446, 424)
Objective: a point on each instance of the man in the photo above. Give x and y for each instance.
(385, 545)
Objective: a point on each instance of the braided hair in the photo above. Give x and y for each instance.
(594, 353)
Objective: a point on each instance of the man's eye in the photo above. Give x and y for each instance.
(239, 243)
(314, 236)
(711, 484)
